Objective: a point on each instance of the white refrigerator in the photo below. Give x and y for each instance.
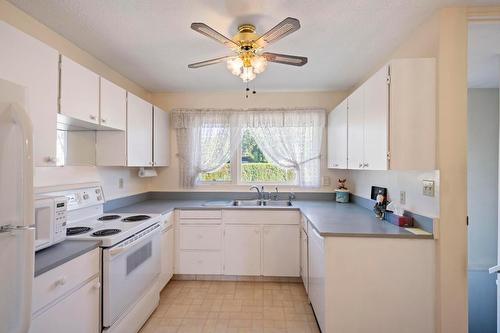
(16, 210)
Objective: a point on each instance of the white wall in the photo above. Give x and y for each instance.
(55, 176)
(360, 183)
(168, 178)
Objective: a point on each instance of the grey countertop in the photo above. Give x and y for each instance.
(58, 254)
(327, 217)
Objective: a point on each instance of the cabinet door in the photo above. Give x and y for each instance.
(281, 250)
(113, 108)
(161, 137)
(337, 137)
(139, 132)
(79, 92)
(78, 312)
(376, 91)
(242, 250)
(356, 131)
(28, 62)
(304, 265)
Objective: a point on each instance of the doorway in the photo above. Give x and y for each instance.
(482, 171)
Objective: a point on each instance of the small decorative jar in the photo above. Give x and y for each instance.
(342, 196)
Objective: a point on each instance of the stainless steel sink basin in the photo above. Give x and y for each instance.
(277, 203)
(247, 203)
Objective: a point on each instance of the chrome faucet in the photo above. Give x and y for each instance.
(259, 193)
(291, 196)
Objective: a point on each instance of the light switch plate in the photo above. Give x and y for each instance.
(428, 188)
(325, 181)
(402, 197)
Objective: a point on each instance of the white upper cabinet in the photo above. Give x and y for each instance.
(28, 62)
(337, 137)
(161, 137)
(139, 132)
(113, 105)
(376, 118)
(79, 92)
(356, 130)
(391, 119)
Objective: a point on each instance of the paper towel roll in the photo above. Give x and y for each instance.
(147, 172)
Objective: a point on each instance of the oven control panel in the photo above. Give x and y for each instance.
(84, 197)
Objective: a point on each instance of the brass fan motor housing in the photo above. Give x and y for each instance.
(246, 37)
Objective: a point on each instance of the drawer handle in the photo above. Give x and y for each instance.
(61, 281)
(92, 117)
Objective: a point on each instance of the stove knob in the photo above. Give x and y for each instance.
(85, 196)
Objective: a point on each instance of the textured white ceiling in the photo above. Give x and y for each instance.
(150, 41)
(484, 55)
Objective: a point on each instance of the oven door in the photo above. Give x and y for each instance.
(128, 270)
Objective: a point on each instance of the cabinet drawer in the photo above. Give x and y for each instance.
(200, 262)
(200, 214)
(53, 284)
(200, 237)
(200, 221)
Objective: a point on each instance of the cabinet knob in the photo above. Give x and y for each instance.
(50, 159)
(92, 117)
(61, 281)
(103, 120)
(97, 285)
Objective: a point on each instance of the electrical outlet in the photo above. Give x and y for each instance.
(325, 181)
(120, 183)
(428, 188)
(402, 197)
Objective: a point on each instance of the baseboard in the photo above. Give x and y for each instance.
(204, 277)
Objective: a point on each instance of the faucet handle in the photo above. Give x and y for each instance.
(291, 196)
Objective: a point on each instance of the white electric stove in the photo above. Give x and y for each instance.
(130, 257)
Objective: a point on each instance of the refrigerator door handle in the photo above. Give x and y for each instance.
(494, 269)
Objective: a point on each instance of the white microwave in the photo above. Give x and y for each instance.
(50, 221)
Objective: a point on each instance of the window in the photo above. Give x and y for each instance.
(223, 174)
(254, 166)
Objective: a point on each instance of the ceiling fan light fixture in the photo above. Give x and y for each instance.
(259, 64)
(248, 74)
(235, 65)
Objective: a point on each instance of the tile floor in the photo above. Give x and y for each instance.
(227, 306)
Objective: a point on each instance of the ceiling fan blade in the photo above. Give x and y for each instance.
(209, 62)
(285, 59)
(204, 29)
(282, 29)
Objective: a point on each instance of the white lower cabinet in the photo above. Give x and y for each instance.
(67, 298)
(242, 249)
(281, 250)
(317, 276)
(76, 313)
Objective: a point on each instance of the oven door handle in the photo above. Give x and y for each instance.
(120, 249)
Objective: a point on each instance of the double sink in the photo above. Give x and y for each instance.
(261, 203)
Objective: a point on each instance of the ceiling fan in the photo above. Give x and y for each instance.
(249, 58)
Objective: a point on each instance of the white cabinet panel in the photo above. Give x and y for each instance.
(28, 62)
(242, 250)
(139, 132)
(376, 114)
(167, 257)
(337, 137)
(200, 237)
(356, 129)
(201, 214)
(113, 106)
(281, 250)
(78, 313)
(161, 137)
(199, 262)
(317, 276)
(304, 267)
(79, 92)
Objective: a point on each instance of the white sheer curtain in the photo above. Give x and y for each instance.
(289, 138)
(203, 140)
